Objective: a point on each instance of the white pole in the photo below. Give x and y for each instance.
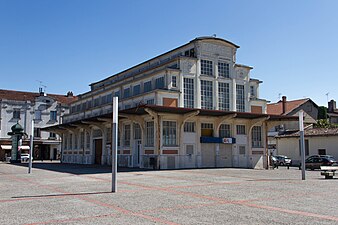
(114, 142)
(302, 143)
(31, 149)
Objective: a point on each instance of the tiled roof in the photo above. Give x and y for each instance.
(30, 96)
(277, 108)
(313, 132)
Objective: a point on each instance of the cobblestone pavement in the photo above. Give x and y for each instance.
(77, 194)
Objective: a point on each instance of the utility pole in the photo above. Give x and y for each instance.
(114, 132)
(302, 143)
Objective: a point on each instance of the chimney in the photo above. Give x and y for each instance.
(41, 92)
(284, 104)
(70, 94)
(331, 106)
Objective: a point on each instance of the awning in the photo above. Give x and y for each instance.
(6, 147)
(9, 147)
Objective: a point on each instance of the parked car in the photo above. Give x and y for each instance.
(283, 160)
(316, 161)
(274, 162)
(25, 157)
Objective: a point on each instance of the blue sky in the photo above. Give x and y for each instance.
(68, 44)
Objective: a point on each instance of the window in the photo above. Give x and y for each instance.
(223, 69)
(150, 102)
(147, 86)
(82, 140)
(242, 150)
(65, 141)
(87, 140)
(16, 114)
(252, 91)
(96, 102)
(53, 115)
(189, 127)
(149, 134)
(224, 130)
(206, 94)
(117, 94)
(103, 100)
(37, 132)
(127, 106)
(257, 137)
(159, 83)
(37, 115)
(126, 135)
(240, 129)
(76, 139)
(110, 98)
(137, 89)
(223, 96)
(207, 129)
(240, 103)
(321, 151)
(169, 133)
(189, 149)
(173, 81)
(126, 93)
(188, 92)
(206, 67)
(137, 131)
(52, 135)
(70, 141)
(89, 104)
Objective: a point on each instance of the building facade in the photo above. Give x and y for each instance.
(191, 107)
(23, 107)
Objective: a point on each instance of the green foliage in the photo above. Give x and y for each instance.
(324, 123)
(322, 112)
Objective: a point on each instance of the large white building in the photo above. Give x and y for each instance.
(191, 107)
(23, 107)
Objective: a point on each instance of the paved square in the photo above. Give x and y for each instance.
(78, 194)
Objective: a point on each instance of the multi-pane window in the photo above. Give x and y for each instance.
(126, 135)
(87, 140)
(117, 94)
(110, 98)
(82, 140)
(37, 132)
(189, 127)
(224, 130)
(207, 129)
(103, 100)
(53, 115)
(137, 89)
(174, 81)
(137, 131)
(147, 86)
(159, 83)
(188, 93)
(70, 141)
(65, 141)
(223, 96)
(252, 91)
(16, 114)
(126, 93)
(89, 104)
(76, 139)
(150, 102)
(96, 102)
(169, 133)
(206, 94)
(240, 129)
(206, 67)
(257, 137)
(223, 69)
(52, 135)
(240, 101)
(37, 115)
(150, 134)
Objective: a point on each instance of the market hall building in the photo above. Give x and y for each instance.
(191, 107)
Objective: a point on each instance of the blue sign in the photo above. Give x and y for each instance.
(217, 140)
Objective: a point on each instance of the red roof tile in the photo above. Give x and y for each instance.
(277, 108)
(30, 96)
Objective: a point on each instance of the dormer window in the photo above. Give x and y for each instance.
(252, 92)
(223, 69)
(16, 114)
(53, 115)
(206, 67)
(174, 81)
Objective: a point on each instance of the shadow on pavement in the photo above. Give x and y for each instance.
(77, 169)
(60, 195)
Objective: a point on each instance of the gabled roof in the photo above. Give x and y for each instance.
(311, 132)
(31, 96)
(277, 108)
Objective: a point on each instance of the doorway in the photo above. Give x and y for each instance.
(136, 153)
(98, 150)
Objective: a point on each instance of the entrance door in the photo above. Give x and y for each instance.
(98, 150)
(208, 155)
(242, 157)
(225, 155)
(136, 153)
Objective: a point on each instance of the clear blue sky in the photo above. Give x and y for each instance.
(68, 44)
